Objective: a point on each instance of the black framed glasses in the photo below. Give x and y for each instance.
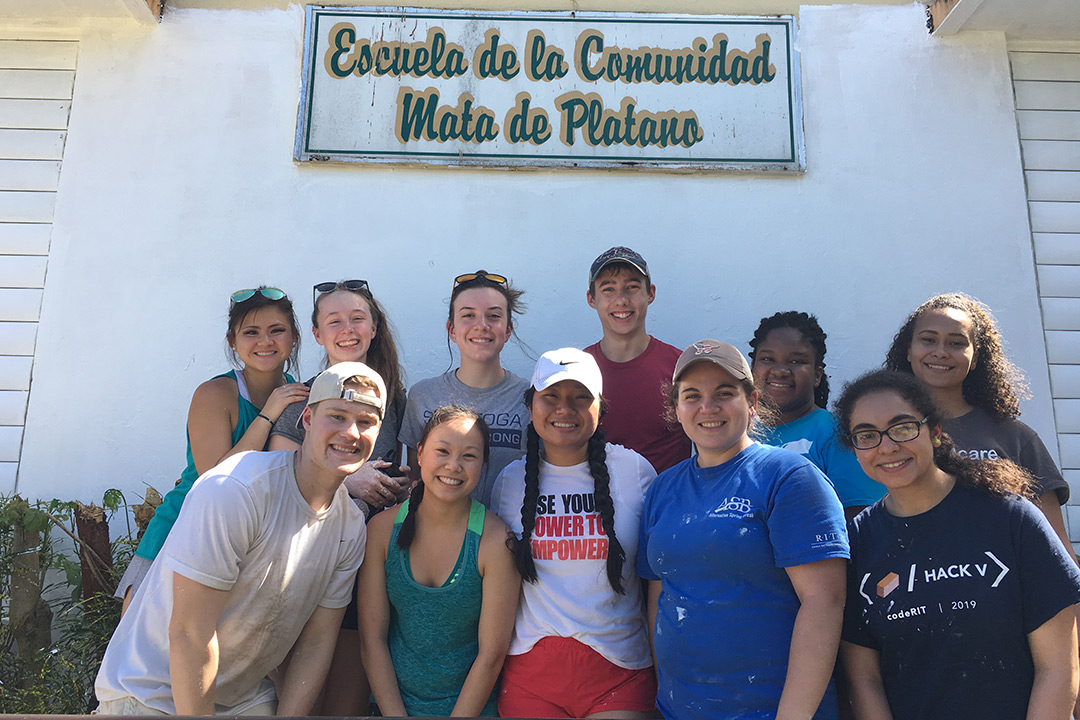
(900, 432)
(325, 287)
(268, 292)
(480, 274)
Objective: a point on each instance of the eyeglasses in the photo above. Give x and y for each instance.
(484, 274)
(325, 287)
(269, 293)
(900, 432)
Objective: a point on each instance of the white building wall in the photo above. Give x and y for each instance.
(36, 79)
(179, 187)
(1047, 83)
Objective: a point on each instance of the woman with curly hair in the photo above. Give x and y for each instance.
(960, 604)
(580, 647)
(952, 344)
(787, 358)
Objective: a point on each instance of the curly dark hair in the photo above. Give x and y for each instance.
(997, 477)
(443, 414)
(597, 458)
(807, 326)
(994, 383)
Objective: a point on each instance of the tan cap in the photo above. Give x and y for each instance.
(726, 356)
(330, 385)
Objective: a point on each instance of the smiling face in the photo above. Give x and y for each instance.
(942, 351)
(787, 370)
(715, 412)
(346, 327)
(621, 297)
(339, 435)
(263, 339)
(900, 466)
(481, 324)
(451, 459)
(565, 416)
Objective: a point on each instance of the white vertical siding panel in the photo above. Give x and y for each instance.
(19, 338)
(7, 477)
(1055, 217)
(1051, 154)
(36, 174)
(31, 144)
(10, 442)
(24, 305)
(13, 407)
(1045, 65)
(27, 207)
(1033, 95)
(1070, 452)
(1065, 381)
(15, 372)
(1060, 281)
(1054, 184)
(24, 271)
(1067, 414)
(38, 55)
(29, 238)
(1049, 124)
(24, 114)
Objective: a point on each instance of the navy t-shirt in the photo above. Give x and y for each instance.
(948, 597)
(719, 539)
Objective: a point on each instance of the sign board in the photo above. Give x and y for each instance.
(571, 89)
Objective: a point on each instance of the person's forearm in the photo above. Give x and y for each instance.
(814, 641)
(478, 685)
(193, 669)
(380, 672)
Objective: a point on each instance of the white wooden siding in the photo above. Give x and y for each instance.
(36, 82)
(1047, 86)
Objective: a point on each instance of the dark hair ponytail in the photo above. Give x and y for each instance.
(408, 526)
(522, 546)
(604, 505)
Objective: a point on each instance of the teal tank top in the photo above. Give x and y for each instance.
(166, 514)
(433, 634)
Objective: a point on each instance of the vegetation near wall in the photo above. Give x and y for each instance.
(58, 570)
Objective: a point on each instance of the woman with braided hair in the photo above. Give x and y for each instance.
(743, 545)
(787, 358)
(573, 505)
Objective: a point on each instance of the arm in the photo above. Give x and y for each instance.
(193, 645)
(1057, 671)
(309, 661)
(651, 608)
(374, 619)
(863, 668)
(414, 467)
(502, 589)
(258, 432)
(815, 637)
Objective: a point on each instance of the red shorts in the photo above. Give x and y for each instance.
(562, 677)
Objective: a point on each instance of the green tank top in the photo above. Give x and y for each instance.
(433, 634)
(167, 512)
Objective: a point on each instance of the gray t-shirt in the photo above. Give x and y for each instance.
(386, 445)
(980, 436)
(502, 407)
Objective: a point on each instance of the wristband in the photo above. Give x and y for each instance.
(260, 415)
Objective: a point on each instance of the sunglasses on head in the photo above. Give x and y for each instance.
(269, 293)
(325, 287)
(480, 274)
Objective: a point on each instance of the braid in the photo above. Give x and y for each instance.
(523, 547)
(602, 495)
(408, 525)
(807, 325)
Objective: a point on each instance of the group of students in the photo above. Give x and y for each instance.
(638, 528)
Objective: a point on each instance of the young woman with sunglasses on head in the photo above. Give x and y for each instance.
(352, 326)
(232, 412)
(787, 358)
(960, 599)
(482, 310)
(438, 586)
(953, 345)
(744, 547)
(580, 647)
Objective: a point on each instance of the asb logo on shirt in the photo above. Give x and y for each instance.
(733, 507)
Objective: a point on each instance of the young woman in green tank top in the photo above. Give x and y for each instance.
(438, 590)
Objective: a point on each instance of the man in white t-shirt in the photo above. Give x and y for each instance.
(258, 568)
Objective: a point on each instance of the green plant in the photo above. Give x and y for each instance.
(51, 637)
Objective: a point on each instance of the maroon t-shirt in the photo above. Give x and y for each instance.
(636, 397)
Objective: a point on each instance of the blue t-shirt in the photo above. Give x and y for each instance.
(814, 437)
(719, 539)
(948, 597)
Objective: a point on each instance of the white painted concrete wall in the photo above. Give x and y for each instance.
(178, 187)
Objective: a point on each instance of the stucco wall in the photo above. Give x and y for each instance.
(178, 187)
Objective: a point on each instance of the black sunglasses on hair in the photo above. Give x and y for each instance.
(325, 287)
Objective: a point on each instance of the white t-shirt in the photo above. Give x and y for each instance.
(572, 596)
(244, 528)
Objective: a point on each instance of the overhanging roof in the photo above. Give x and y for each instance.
(1018, 19)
